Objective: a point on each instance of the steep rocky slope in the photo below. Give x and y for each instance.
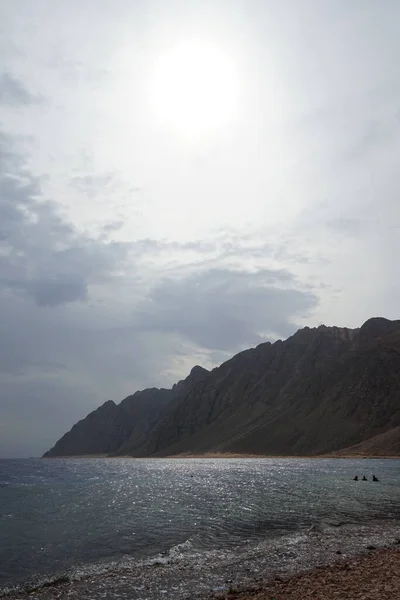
(119, 428)
(321, 390)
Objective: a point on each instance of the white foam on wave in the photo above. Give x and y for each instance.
(177, 552)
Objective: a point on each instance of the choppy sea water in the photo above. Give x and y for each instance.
(176, 528)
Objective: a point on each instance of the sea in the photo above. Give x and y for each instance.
(146, 529)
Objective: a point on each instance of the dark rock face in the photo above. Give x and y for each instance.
(319, 391)
(378, 327)
(99, 433)
(118, 429)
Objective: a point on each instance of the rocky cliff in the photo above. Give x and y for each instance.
(319, 391)
(117, 429)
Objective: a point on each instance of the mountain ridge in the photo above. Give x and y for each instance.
(115, 428)
(321, 390)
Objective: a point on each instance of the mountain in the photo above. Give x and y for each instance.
(385, 444)
(321, 390)
(118, 428)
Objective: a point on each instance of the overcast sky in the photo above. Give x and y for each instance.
(183, 179)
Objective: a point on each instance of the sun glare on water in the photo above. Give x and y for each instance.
(194, 89)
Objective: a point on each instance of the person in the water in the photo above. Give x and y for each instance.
(374, 478)
(355, 478)
(364, 478)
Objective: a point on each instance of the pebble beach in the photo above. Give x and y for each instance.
(373, 576)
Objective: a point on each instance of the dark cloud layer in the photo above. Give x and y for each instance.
(80, 321)
(13, 92)
(46, 267)
(42, 256)
(306, 177)
(227, 309)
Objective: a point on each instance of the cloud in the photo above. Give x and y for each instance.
(377, 134)
(41, 254)
(347, 225)
(52, 321)
(114, 226)
(14, 93)
(104, 290)
(57, 291)
(83, 319)
(93, 184)
(223, 309)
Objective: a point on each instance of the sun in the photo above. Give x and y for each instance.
(194, 88)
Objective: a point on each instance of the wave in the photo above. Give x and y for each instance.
(214, 569)
(175, 553)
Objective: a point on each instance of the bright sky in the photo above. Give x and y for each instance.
(183, 180)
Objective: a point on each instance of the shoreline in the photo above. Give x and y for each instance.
(375, 575)
(317, 565)
(228, 455)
